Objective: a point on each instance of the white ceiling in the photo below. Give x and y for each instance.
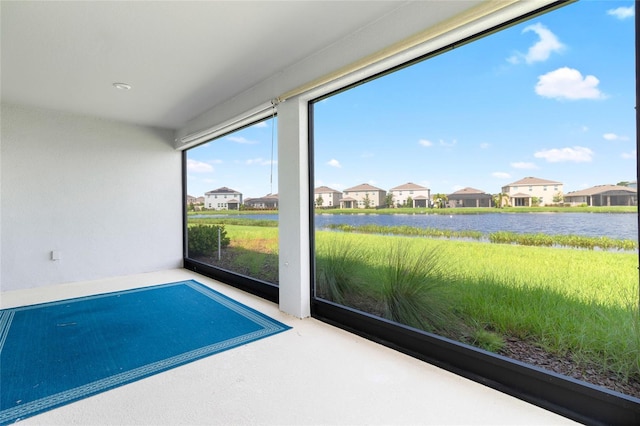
(181, 57)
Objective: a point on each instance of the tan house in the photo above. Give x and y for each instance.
(325, 197)
(604, 195)
(363, 196)
(469, 197)
(524, 192)
(197, 203)
(222, 199)
(268, 202)
(417, 194)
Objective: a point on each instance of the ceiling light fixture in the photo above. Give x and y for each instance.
(122, 86)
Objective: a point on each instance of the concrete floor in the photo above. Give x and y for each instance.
(314, 374)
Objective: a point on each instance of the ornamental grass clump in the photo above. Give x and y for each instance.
(336, 268)
(413, 290)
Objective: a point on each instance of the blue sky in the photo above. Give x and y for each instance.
(552, 97)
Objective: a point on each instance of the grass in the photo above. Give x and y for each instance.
(578, 302)
(424, 210)
(336, 269)
(484, 210)
(500, 237)
(413, 288)
(566, 301)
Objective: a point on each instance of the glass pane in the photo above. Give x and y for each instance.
(232, 202)
(488, 195)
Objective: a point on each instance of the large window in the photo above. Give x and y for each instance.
(488, 195)
(232, 205)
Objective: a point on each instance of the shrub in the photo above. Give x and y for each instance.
(203, 239)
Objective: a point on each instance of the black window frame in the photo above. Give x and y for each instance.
(572, 398)
(260, 288)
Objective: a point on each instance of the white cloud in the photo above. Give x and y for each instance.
(630, 155)
(484, 145)
(622, 12)
(448, 144)
(577, 154)
(261, 124)
(501, 175)
(523, 165)
(198, 166)
(547, 44)
(568, 83)
(258, 161)
(541, 50)
(425, 142)
(334, 163)
(242, 140)
(614, 137)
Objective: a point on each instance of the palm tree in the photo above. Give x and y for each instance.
(440, 200)
(499, 200)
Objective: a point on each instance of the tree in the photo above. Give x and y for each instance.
(440, 200)
(388, 200)
(623, 183)
(535, 201)
(558, 198)
(367, 201)
(319, 201)
(499, 200)
(409, 202)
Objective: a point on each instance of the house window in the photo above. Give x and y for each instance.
(476, 283)
(235, 167)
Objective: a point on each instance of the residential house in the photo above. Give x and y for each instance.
(530, 191)
(604, 195)
(223, 199)
(325, 197)
(196, 203)
(362, 197)
(418, 195)
(268, 202)
(469, 197)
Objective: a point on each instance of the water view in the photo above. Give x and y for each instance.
(612, 225)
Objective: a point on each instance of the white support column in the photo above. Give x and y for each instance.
(293, 194)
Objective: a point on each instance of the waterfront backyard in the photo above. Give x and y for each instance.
(570, 310)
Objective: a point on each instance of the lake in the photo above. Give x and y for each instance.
(613, 225)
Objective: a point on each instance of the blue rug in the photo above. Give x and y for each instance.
(54, 353)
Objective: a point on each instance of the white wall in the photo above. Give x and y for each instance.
(107, 195)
